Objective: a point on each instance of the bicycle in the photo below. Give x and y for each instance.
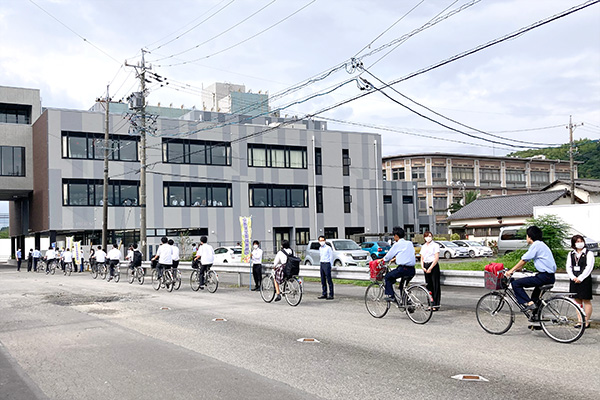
(102, 270)
(177, 279)
(136, 273)
(116, 272)
(41, 266)
(68, 268)
(166, 280)
(560, 317)
(211, 279)
(291, 289)
(415, 299)
(94, 269)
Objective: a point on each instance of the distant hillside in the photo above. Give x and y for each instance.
(587, 151)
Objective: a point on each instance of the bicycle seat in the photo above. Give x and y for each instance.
(546, 287)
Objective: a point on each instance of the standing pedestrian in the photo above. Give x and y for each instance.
(174, 256)
(206, 254)
(114, 257)
(326, 258)
(580, 263)
(19, 259)
(29, 260)
(430, 256)
(256, 260)
(36, 256)
(164, 255)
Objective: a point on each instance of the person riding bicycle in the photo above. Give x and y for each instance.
(50, 257)
(279, 263)
(67, 257)
(206, 254)
(544, 263)
(136, 257)
(403, 252)
(100, 257)
(164, 256)
(114, 257)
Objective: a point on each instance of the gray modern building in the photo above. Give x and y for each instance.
(297, 180)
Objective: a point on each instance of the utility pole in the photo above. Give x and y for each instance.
(571, 163)
(142, 110)
(105, 186)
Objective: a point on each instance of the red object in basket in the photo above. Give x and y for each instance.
(493, 276)
(376, 269)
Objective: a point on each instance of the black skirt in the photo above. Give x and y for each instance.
(582, 290)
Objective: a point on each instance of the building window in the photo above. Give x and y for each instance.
(15, 113)
(261, 155)
(387, 199)
(89, 192)
(346, 162)
(199, 152)
(463, 174)
(540, 178)
(418, 173)
(515, 177)
(90, 146)
(489, 177)
(191, 194)
(407, 200)
(422, 205)
(562, 175)
(438, 174)
(318, 161)
(278, 195)
(398, 174)
(440, 205)
(302, 236)
(319, 195)
(12, 161)
(330, 233)
(347, 199)
(384, 174)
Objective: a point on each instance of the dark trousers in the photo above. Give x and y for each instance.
(19, 264)
(393, 275)
(161, 267)
(326, 279)
(203, 269)
(29, 261)
(175, 265)
(35, 261)
(257, 274)
(518, 285)
(433, 283)
(111, 268)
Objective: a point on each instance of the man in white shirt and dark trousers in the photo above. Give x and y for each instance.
(256, 261)
(114, 257)
(164, 255)
(326, 258)
(174, 256)
(206, 254)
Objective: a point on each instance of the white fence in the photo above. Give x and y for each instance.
(448, 277)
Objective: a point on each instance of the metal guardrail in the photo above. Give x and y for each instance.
(448, 277)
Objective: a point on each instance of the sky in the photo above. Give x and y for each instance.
(524, 88)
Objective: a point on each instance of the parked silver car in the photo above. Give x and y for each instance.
(449, 249)
(345, 253)
(474, 248)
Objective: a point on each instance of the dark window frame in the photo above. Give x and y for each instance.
(319, 199)
(318, 161)
(269, 148)
(208, 148)
(13, 151)
(116, 143)
(93, 199)
(271, 190)
(346, 162)
(187, 188)
(347, 200)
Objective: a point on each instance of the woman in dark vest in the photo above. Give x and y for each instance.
(580, 263)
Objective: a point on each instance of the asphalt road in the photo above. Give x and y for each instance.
(79, 338)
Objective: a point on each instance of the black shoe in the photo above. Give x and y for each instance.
(255, 289)
(530, 307)
(201, 287)
(322, 297)
(278, 297)
(389, 298)
(535, 327)
(330, 298)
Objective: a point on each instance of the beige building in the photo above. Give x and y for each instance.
(587, 190)
(444, 178)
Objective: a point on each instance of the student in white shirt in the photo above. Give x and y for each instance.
(206, 254)
(174, 256)
(256, 261)
(114, 257)
(430, 256)
(164, 256)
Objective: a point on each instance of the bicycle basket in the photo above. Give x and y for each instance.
(377, 270)
(495, 281)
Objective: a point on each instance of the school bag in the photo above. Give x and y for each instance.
(292, 266)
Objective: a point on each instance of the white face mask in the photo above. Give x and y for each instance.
(428, 239)
(255, 246)
(580, 245)
(322, 244)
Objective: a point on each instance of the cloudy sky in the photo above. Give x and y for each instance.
(524, 88)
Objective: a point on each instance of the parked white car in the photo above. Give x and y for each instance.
(449, 249)
(224, 255)
(474, 248)
(345, 253)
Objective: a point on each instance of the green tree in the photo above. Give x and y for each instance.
(470, 196)
(4, 233)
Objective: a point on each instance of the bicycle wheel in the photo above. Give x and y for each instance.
(177, 278)
(212, 281)
(103, 271)
(494, 313)
(131, 275)
(169, 283)
(419, 305)
(94, 271)
(292, 290)
(195, 280)
(52, 268)
(267, 288)
(559, 318)
(155, 280)
(140, 275)
(117, 276)
(374, 300)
